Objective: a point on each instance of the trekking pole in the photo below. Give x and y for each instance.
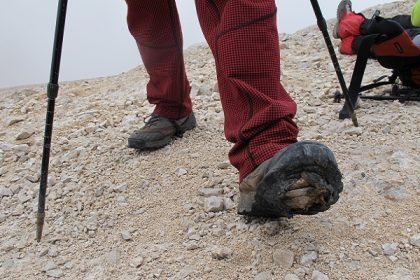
(52, 92)
(323, 27)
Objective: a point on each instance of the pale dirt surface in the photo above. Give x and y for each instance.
(113, 213)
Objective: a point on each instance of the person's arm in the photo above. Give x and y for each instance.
(415, 14)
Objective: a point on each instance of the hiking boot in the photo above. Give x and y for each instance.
(343, 8)
(158, 132)
(301, 179)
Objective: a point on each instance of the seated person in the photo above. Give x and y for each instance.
(352, 26)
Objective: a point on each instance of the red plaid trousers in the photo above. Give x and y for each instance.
(242, 35)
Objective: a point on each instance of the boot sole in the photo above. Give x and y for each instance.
(302, 179)
(341, 8)
(143, 145)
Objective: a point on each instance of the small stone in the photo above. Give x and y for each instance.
(373, 252)
(400, 274)
(223, 165)
(205, 90)
(23, 197)
(137, 262)
(291, 277)
(92, 223)
(122, 200)
(50, 265)
(13, 121)
(265, 275)
(194, 237)
(356, 131)
(53, 251)
(23, 148)
(22, 243)
(309, 110)
(24, 135)
(220, 253)
(192, 245)
(317, 275)
(283, 258)
(216, 87)
(403, 159)
(99, 192)
(393, 258)
(15, 188)
(399, 277)
(308, 259)
(270, 228)
(300, 272)
(2, 217)
(184, 272)
(114, 256)
(207, 192)
(55, 273)
(43, 252)
(126, 235)
(34, 178)
(213, 204)
(120, 188)
(396, 194)
(5, 191)
(415, 240)
(8, 245)
(229, 204)
(181, 171)
(83, 268)
(68, 264)
(390, 249)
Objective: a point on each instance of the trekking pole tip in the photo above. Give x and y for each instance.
(39, 225)
(354, 120)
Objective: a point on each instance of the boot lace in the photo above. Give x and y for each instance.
(151, 120)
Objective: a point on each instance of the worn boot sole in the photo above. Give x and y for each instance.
(302, 179)
(342, 9)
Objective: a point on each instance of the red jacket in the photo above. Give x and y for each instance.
(349, 28)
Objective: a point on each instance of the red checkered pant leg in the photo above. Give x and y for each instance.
(243, 37)
(155, 27)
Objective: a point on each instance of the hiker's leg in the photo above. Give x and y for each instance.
(356, 43)
(352, 25)
(243, 37)
(404, 21)
(155, 27)
(413, 33)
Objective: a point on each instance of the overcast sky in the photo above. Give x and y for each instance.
(97, 42)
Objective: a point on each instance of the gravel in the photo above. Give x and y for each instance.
(115, 213)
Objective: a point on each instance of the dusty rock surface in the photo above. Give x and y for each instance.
(113, 213)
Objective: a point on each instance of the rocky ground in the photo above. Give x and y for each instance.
(113, 213)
